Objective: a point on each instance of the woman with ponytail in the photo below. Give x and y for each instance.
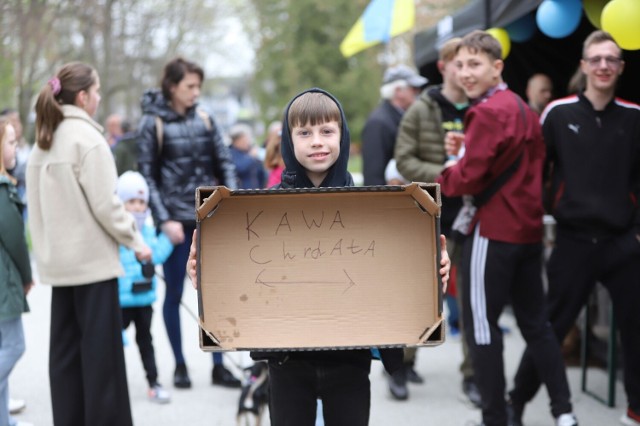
(76, 222)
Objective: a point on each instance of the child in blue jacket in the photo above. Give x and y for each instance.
(137, 288)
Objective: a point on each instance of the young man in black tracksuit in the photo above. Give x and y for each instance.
(593, 155)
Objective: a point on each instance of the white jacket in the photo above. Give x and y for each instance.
(76, 220)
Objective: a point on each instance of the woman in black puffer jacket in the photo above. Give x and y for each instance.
(179, 149)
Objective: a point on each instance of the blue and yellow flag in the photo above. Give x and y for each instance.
(381, 20)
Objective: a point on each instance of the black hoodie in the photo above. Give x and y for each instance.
(295, 176)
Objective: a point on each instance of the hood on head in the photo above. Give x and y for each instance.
(154, 103)
(294, 175)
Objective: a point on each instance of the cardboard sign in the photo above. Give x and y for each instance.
(316, 268)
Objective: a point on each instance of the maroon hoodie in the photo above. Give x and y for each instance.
(496, 133)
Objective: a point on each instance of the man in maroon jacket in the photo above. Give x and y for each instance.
(502, 169)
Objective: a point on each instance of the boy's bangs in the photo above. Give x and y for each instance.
(313, 108)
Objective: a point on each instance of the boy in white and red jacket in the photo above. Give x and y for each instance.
(501, 263)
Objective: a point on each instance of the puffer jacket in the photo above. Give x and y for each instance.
(15, 269)
(192, 154)
(161, 249)
(419, 150)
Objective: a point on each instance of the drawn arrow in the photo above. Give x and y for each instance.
(349, 282)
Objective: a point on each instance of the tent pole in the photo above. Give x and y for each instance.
(487, 14)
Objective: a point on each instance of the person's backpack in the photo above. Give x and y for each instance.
(160, 127)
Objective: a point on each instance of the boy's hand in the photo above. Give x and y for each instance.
(445, 263)
(174, 231)
(192, 271)
(144, 255)
(453, 142)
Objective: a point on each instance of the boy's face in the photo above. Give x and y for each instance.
(602, 65)
(316, 148)
(449, 71)
(477, 72)
(135, 205)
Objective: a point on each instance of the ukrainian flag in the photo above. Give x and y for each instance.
(381, 20)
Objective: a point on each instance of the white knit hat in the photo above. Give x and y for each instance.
(131, 185)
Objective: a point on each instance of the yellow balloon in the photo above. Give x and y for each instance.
(502, 36)
(593, 10)
(621, 19)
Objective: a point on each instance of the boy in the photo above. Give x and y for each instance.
(502, 257)
(137, 288)
(315, 149)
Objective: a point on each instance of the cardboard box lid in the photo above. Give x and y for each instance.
(319, 267)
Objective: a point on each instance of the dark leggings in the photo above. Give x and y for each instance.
(174, 273)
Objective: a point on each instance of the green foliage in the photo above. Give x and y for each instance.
(299, 49)
(7, 84)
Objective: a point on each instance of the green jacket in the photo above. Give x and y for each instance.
(419, 151)
(15, 268)
(125, 153)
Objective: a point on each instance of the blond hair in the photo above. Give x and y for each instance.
(481, 41)
(448, 49)
(598, 37)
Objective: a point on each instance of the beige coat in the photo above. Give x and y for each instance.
(76, 219)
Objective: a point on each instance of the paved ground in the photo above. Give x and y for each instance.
(437, 402)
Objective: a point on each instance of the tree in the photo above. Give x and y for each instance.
(297, 48)
(127, 41)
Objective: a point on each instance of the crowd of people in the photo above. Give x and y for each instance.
(105, 208)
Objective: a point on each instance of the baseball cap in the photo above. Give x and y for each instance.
(403, 72)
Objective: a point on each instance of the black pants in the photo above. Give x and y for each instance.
(86, 361)
(141, 317)
(295, 386)
(574, 268)
(494, 274)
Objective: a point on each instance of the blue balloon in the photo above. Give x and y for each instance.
(559, 18)
(522, 29)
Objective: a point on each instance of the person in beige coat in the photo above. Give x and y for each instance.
(76, 222)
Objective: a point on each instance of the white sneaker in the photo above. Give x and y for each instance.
(159, 395)
(16, 405)
(628, 421)
(23, 424)
(567, 419)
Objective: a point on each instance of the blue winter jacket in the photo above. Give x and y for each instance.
(161, 248)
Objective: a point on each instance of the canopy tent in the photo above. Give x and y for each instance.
(557, 58)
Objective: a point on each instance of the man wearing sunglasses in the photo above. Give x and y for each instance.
(593, 164)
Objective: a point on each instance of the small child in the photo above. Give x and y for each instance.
(137, 287)
(15, 269)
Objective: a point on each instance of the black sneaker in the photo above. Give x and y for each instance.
(514, 414)
(223, 377)
(470, 389)
(414, 377)
(181, 378)
(398, 385)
